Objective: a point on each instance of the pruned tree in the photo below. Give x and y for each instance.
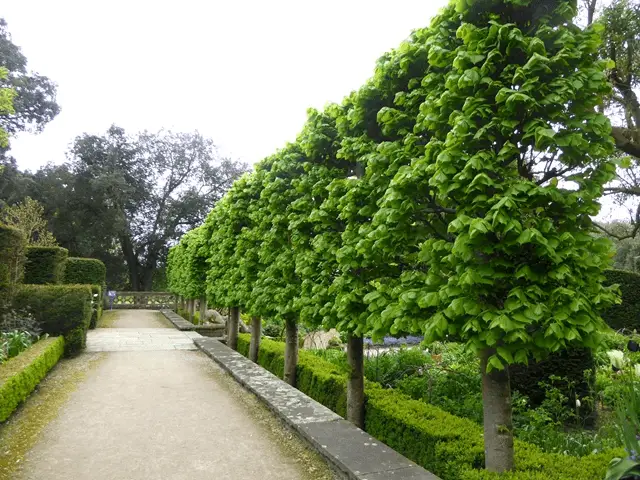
(29, 217)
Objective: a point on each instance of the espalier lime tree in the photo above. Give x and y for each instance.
(187, 265)
(277, 286)
(233, 247)
(378, 139)
(516, 160)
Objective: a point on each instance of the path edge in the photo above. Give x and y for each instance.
(350, 451)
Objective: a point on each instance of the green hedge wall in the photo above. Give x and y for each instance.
(45, 265)
(59, 310)
(627, 313)
(21, 374)
(576, 365)
(12, 245)
(85, 271)
(449, 446)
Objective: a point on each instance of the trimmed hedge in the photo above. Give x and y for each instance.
(59, 310)
(627, 313)
(577, 365)
(12, 245)
(45, 265)
(84, 270)
(21, 374)
(449, 446)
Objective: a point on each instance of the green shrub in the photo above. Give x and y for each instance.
(20, 375)
(96, 305)
(626, 314)
(59, 310)
(12, 245)
(449, 446)
(45, 265)
(84, 270)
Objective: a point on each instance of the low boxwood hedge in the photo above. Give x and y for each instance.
(21, 374)
(59, 310)
(449, 446)
(84, 270)
(44, 265)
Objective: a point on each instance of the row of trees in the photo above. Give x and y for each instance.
(451, 196)
(120, 198)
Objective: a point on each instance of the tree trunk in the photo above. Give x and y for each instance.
(291, 352)
(355, 385)
(232, 328)
(256, 333)
(203, 309)
(192, 308)
(498, 427)
(131, 259)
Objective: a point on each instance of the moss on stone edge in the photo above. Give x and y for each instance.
(21, 374)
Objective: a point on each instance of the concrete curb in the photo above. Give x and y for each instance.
(351, 451)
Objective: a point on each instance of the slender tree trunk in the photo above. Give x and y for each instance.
(355, 385)
(131, 259)
(203, 309)
(232, 324)
(498, 427)
(192, 308)
(256, 333)
(176, 303)
(291, 352)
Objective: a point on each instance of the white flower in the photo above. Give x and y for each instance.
(617, 358)
(578, 404)
(637, 369)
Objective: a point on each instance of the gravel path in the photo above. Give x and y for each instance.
(138, 319)
(170, 415)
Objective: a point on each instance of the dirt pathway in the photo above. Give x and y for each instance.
(170, 415)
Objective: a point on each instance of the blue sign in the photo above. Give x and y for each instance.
(112, 295)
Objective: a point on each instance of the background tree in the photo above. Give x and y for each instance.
(28, 216)
(34, 102)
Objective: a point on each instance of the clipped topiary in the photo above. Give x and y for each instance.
(12, 245)
(44, 265)
(84, 271)
(59, 310)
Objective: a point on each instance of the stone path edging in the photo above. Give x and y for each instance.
(351, 451)
(178, 322)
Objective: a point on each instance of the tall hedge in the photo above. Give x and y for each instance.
(45, 265)
(626, 314)
(59, 310)
(12, 245)
(84, 271)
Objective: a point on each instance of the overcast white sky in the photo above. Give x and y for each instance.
(242, 72)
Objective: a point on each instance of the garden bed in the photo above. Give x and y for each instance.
(445, 444)
(20, 375)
